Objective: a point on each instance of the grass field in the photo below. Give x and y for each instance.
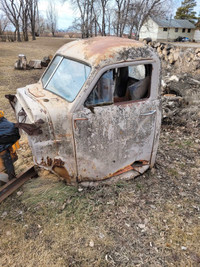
(153, 220)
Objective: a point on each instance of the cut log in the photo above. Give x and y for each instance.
(46, 61)
(176, 55)
(165, 52)
(35, 64)
(171, 59)
(21, 63)
(159, 50)
(197, 50)
(168, 47)
(156, 45)
(153, 44)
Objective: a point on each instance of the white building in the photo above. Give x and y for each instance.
(197, 36)
(167, 30)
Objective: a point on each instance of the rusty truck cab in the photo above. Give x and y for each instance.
(98, 106)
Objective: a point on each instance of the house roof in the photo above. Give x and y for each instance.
(174, 23)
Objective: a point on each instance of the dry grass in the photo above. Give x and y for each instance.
(12, 79)
(150, 221)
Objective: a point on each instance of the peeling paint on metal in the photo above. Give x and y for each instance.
(102, 142)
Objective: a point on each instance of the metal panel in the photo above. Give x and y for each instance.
(114, 137)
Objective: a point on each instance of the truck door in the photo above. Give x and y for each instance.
(115, 127)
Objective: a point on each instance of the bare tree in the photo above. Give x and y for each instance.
(85, 7)
(40, 24)
(24, 18)
(121, 16)
(12, 10)
(91, 21)
(109, 20)
(92, 16)
(4, 22)
(52, 17)
(88, 15)
(96, 16)
(33, 15)
(104, 4)
(101, 19)
(140, 10)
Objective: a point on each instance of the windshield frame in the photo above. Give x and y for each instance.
(52, 74)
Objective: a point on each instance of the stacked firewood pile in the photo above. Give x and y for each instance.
(180, 99)
(171, 53)
(180, 83)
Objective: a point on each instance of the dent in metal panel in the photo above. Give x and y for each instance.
(113, 137)
(109, 140)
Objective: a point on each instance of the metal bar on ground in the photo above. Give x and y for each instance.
(14, 184)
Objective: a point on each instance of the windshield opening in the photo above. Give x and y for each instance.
(65, 77)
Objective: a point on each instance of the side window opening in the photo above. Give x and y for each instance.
(124, 84)
(103, 90)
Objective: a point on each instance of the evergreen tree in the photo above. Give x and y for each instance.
(185, 11)
(198, 22)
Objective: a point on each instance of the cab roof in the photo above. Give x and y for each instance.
(97, 50)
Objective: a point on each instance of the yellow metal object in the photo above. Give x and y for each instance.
(15, 147)
(1, 114)
(2, 167)
(13, 155)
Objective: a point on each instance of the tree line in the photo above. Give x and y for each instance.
(117, 17)
(21, 14)
(95, 17)
(24, 16)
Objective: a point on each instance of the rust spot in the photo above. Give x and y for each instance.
(49, 161)
(79, 119)
(98, 49)
(61, 171)
(58, 162)
(135, 166)
(102, 45)
(125, 169)
(43, 163)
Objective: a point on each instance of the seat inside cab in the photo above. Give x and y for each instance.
(124, 84)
